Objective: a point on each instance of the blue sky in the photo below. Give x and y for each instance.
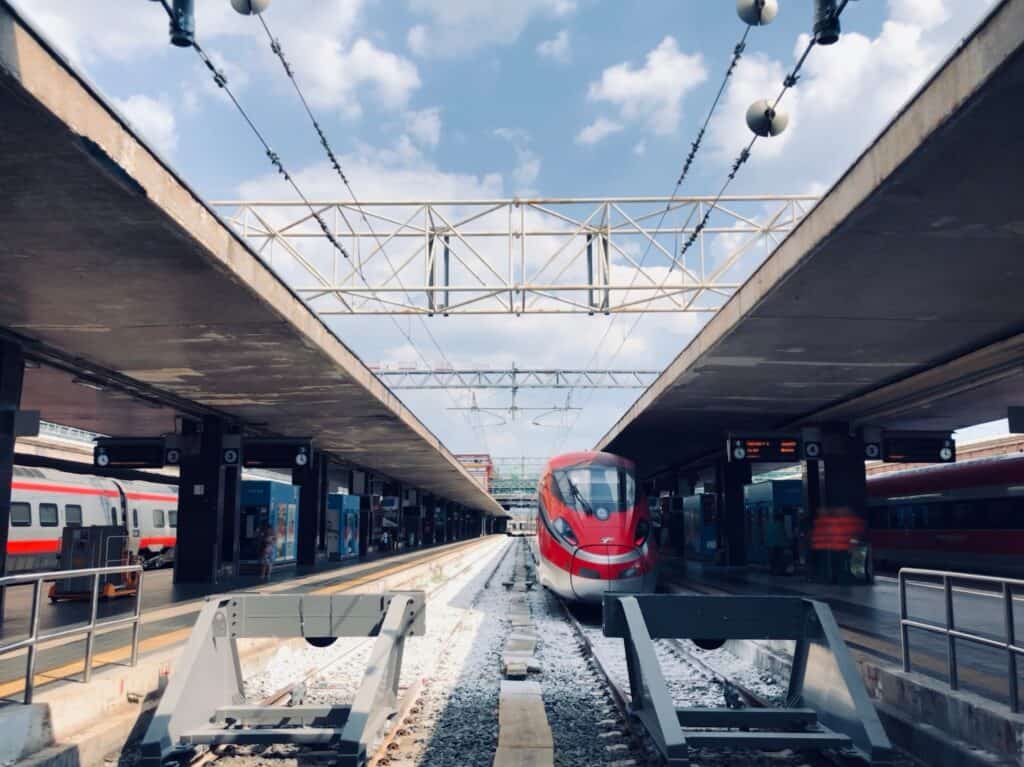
(470, 98)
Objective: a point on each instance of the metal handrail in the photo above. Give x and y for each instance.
(952, 633)
(34, 637)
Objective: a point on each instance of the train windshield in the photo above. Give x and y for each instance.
(596, 489)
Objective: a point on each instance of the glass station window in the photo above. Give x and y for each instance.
(48, 515)
(72, 515)
(21, 515)
(172, 518)
(158, 517)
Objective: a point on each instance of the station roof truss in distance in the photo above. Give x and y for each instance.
(514, 479)
(138, 304)
(894, 303)
(515, 378)
(517, 256)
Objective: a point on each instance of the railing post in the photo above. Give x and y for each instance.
(137, 625)
(901, 580)
(1011, 655)
(954, 677)
(30, 658)
(90, 637)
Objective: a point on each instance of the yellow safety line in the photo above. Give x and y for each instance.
(10, 689)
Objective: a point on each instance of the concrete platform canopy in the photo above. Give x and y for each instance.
(894, 303)
(135, 302)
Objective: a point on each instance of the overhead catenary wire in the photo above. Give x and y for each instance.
(278, 50)
(221, 80)
(737, 53)
(789, 82)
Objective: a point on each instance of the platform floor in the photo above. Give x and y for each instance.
(169, 611)
(869, 617)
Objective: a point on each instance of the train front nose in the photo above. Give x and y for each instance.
(601, 568)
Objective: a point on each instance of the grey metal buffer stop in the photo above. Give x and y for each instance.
(204, 703)
(827, 706)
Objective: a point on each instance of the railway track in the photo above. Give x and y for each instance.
(305, 684)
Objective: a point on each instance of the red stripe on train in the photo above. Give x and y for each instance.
(157, 541)
(959, 541)
(151, 497)
(43, 546)
(47, 488)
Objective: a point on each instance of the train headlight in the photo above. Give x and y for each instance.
(643, 529)
(602, 513)
(565, 531)
(630, 572)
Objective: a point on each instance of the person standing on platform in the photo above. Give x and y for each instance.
(267, 553)
(385, 541)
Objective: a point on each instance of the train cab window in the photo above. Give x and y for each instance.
(135, 517)
(21, 515)
(48, 515)
(172, 518)
(72, 515)
(158, 517)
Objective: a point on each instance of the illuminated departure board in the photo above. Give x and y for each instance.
(764, 449)
(918, 449)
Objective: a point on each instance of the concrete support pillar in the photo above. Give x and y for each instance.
(230, 549)
(321, 514)
(732, 477)
(843, 500)
(846, 479)
(201, 497)
(12, 371)
(812, 503)
(312, 498)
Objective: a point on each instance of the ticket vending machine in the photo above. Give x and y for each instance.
(343, 533)
(274, 505)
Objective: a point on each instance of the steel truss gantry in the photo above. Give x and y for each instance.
(516, 256)
(516, 378)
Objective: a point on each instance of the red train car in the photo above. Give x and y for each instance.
(594, 533)
(966, 516)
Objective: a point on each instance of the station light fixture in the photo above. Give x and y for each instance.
(765, 119)
(826, 22)
(757, 13)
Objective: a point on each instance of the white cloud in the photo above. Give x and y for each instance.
(460, 27)
(598, 130)
(528, 163)
(153, 118)
(424, 125)
(925, 13)
(653, 93)
(557, 48)
(332, 74)
(332, 63)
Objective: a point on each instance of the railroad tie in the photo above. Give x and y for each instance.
(524, 735)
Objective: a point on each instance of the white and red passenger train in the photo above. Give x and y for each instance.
(45, 501)
(965, 516)
(594, 534)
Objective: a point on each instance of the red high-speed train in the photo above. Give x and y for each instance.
(965, 516)
(594, 534)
